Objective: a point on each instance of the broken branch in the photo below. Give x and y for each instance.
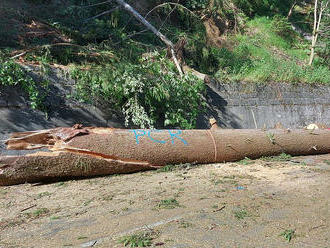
(101, 14)
(153, 29)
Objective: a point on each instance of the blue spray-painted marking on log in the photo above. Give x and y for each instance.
(137, 135)
(140, 133)
(175, 135)
(154, 140)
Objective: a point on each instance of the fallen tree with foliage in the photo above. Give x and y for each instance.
(84, 152)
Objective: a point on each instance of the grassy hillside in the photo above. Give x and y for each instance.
(265, 52)
(114, 59)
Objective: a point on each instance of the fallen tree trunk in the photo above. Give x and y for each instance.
(84, 152)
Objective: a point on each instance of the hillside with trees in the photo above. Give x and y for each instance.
(116, 58)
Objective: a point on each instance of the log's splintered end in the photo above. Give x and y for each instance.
(44, 138)
(61, 159)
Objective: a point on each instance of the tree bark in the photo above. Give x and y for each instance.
(84, 152)
(129, 8)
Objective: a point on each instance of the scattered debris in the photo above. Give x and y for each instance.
(219, 209)
(27, 208)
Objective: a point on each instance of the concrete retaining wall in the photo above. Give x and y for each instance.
(246, 105)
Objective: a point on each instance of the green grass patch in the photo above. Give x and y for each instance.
(107, 197)
(184, 224)
(168, 204)
(231, 179)
(3, 191)
(288, 234)
(60, 184)
(280, 158)
(55, 217)
(246, 161)
(241, 214)
(37, 213)
(143, 239)
(87, 202)
(268, 53)
(174, 167)
(82, 237)
(167, 168)
(43, 194)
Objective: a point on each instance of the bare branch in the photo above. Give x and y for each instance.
(44, 46)
(175, 4)
(161, 26)
(18, 55)
(101, 14)
(291, 9)
(96, 4)
(137, 33)
(131, 35)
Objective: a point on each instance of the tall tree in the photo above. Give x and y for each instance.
(319, 8)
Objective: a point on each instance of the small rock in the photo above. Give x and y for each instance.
(89, 244)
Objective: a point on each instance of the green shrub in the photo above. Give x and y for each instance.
(149, 94)
(197, 4)
(12, 74)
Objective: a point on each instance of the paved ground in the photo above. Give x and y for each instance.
(247, 204)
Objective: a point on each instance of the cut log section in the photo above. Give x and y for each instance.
(85, 152)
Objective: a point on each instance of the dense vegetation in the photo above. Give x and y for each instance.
(11, 74)
(115, 59)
